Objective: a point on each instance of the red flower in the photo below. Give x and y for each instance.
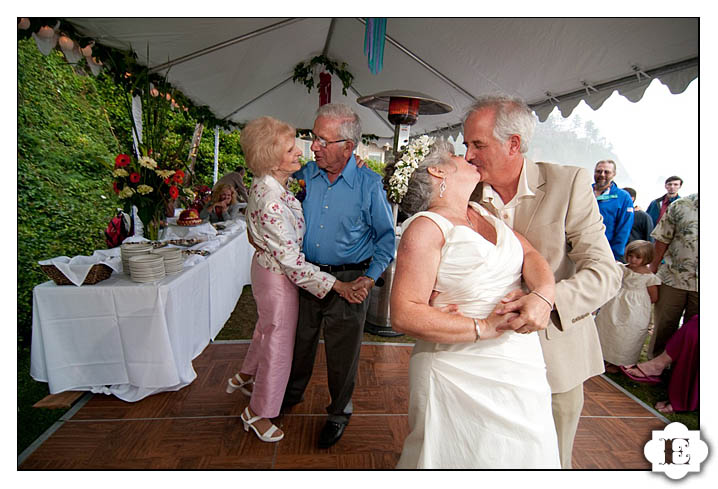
(134, 177)
(178, 176)
(122, 160)
(174, 193)
(115, 187)
(167, 181)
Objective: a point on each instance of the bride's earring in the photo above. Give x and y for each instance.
(442, 188)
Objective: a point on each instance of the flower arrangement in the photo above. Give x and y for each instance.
(414, 153)
(142, 182)
(298, 188)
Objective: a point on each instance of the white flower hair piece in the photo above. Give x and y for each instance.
(414, 154)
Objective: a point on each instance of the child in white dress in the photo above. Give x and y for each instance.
(623, 321)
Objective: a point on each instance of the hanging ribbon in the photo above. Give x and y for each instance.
(374, 37)
(325, 88)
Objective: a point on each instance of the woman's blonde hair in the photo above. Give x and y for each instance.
(640, 248)
(217, 191)
(261, 143)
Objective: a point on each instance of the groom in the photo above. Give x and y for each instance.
(554, 208)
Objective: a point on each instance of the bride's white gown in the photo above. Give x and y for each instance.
(483, 405)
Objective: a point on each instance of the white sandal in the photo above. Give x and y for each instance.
(231, 386)
(247, 421)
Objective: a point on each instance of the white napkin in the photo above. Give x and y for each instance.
(173, 231)
(77, 268)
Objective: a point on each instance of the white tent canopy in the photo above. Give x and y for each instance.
(242, 67)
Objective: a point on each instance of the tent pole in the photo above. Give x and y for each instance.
(222, 45)
(257, 98)
(216, 154)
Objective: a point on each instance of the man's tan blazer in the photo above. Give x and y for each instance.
(563, 223)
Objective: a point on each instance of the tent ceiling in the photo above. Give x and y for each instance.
(242, 67)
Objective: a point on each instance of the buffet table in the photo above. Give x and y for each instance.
(132, 339)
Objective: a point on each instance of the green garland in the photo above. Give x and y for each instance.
(304, 72)
(119, 63)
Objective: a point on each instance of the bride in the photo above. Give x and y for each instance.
(479, 397)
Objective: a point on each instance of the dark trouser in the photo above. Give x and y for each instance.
(343, 326)
(671, 305)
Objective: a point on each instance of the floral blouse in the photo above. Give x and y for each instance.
(276, 223)
(679, 228)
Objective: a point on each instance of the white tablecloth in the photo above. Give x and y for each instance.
(133, 340)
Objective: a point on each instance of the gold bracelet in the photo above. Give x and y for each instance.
(476, 327)
(545, 299)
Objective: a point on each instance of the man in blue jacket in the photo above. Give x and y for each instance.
(615, 205)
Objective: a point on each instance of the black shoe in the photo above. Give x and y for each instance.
(330, 434)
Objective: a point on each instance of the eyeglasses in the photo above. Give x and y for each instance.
(323, 142)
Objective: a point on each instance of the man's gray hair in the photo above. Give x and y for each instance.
(421, 184)
(610, 162)
(513, 116)
(350, 126)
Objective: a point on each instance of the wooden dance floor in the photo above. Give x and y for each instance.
(199, 426)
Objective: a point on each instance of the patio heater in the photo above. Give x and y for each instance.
(404, 108)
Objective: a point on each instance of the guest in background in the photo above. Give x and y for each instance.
(642, 221)
(622, 322)
(658, 206)
(681, 354)
(236, 180)
(222, 206)
(275, 224)
(615, 206)
(676, 245)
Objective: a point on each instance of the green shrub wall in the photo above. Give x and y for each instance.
(70, 126)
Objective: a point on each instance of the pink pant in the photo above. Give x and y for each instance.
(269, 358)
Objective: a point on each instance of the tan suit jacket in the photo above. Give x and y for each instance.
(563, 223)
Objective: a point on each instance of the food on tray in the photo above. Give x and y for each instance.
(196, 252)
(189, 217)
(185, 241)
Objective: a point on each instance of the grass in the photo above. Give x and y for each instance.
(32, 422)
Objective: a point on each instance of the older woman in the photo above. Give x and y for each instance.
(222, 206)
(479, 397)
(276, 227)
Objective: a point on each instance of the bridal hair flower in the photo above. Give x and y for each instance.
(414, 154)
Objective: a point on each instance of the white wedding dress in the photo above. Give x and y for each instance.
(483, 405)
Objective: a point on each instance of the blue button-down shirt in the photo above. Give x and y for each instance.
(348, 221)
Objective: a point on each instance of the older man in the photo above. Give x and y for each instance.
(350, 234)
(553, 207)
(615, 205)
(658, 207)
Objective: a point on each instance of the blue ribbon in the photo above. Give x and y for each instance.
(374, 37)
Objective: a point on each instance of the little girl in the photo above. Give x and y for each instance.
(623, 321)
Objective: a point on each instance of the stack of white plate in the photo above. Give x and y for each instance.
(147, 268)
(172, 257)
(128, 250)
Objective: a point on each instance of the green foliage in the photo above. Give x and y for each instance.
(304, 72)
(376, 166)
(64, 141)
(230, 156)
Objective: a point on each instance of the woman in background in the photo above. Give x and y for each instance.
(222, 206)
